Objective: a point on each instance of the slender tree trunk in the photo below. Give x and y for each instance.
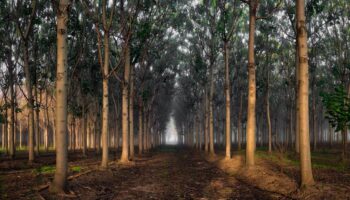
(11, 116)
(59, 183)
(105, 105)
(305, 157)
(314, 123)
(30, 101)
(131, 113)
(140, 127)
(227, 102)
(211, 114)
(125, 101)
(251, 121)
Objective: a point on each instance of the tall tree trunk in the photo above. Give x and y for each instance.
(303, 92)
(30, 101)
(59, 183)
(268, 111)
(105, 106)
(211, 114)
(125, 101)
(251, 121)
(227, 102)
(140, 127)
(11, 115)
(131, 112)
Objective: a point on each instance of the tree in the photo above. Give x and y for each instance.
(59, 183)
(303, 94)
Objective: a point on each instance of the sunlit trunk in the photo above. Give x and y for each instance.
(251, 121)
(131, 113)
(303, 93)
(125, 101)
(59, 183)
(227, 102)
(211, 114)
(105, 105)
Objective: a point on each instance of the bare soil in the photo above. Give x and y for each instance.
(168, 173)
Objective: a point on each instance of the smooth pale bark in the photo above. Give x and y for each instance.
(30, 102)
(268, 118)
(303, 93)
(211, 114)
(131, 113)
(59, 183)
(251, 121)
(227, 103)
(125, 101)
(140, 127)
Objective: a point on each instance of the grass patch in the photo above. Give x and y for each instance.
(45, 170)
(320, 160)
(76, 169)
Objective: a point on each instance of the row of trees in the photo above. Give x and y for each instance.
(284, 44)
(149, 59)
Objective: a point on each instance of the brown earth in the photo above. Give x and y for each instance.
(168, 173)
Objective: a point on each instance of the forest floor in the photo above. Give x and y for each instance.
(173, 173)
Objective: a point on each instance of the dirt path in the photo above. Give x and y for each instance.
(170, 173)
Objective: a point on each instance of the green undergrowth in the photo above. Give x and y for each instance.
(49, 169)
(320, 160)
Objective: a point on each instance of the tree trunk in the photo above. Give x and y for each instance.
(131, 112)
(251, 121)
(59, 183)
(105, 106)
(140, 127)
(227, 102)
(11, 116)
(125, 101)
(30, 101)
(303, 93)
(211, 114)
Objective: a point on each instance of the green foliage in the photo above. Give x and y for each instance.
(337, 104)
(45, 170)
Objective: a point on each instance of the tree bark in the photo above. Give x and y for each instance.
(131, 113)
(303, 93)
(105, 105)
(227, 102)
(140, 127)
(125, 101)
(251, 121)
(59, 183)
